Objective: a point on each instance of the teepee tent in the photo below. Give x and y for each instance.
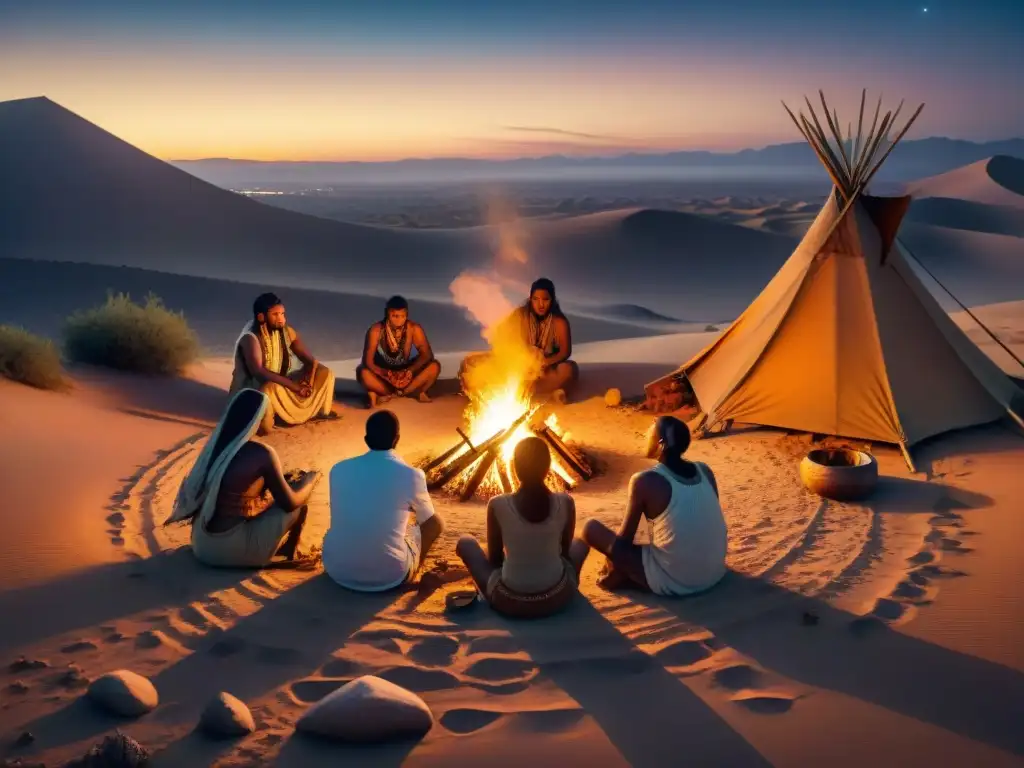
(846, 340)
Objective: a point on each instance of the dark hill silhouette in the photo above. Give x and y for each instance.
(70, 190)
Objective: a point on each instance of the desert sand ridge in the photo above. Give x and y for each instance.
(996, 180)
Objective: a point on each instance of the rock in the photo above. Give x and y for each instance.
(710, 329)
(124, 692)
(613, 397)
(26, 738)
(226, 717)
(368, 709)
(117, 751)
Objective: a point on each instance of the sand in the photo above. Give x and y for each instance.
(932, 675)
(878, 633)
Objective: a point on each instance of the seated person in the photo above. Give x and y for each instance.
(542, 326)
(679, 499)
(532, 564)
(370, 546)
(389, 367)
(263, 361)
(242, 507)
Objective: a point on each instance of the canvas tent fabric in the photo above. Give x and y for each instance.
(840, 343)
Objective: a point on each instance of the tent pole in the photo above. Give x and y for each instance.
(907, 457)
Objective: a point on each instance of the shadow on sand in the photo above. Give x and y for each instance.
(869, 661)
(251, 658)
(166, 398)
(69, 603)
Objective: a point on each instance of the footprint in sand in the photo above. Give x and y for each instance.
(21, 664)
(341, 668)
(116, 519)
(924, 557)
(493, 644)
(149, 639)
(907, 590)
(765, 702)
(420, 680)
(17, 687)
(888, 610)
(434, 651)
(463, 721)
(113, 637)
(498, 669)
(79, 646)
(736, 677)
(682, 653)
(953, 545)
(72, 678)
(940, 572)
(312, 690)
(228, 646)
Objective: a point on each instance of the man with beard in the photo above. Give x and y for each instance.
(397, 359)
(263, 361)
(542, 326)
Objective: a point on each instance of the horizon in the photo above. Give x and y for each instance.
(456, 80)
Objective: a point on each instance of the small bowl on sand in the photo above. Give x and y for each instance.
(842, 474)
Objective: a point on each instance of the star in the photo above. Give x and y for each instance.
(925, 9)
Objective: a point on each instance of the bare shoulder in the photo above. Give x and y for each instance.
(292, 333)
(561, 321)
(416, 329)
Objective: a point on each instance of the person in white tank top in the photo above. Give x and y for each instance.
(689, 537)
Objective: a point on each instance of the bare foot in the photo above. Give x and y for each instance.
(558, 396)
(611, 579)
(422, 397)
(383, 399)
(372, 397)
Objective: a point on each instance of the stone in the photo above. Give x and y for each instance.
(115, 751)
(226, 717)
(124, 693)
(366, 710)
(613, 397)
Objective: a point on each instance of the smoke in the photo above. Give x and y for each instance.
(512, 364)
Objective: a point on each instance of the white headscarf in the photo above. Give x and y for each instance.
(198, 492)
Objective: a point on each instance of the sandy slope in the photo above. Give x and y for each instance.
(730, 678)
(996, 181)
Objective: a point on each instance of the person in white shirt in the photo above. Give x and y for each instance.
(370, 546)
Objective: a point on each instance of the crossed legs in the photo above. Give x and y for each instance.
(625, 559)
(480, 568)
(379, 389)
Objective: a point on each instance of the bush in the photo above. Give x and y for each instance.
(144, 338)
(30, 359)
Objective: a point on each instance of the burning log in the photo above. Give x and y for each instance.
(480, 473)
(467, 459)
(450, 452)
(506, 481)
(575, 462)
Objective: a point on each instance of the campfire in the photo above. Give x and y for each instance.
(481, 461)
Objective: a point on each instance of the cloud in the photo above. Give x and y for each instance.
(563, 132)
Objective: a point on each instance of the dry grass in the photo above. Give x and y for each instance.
(121, 334)
(30, 359)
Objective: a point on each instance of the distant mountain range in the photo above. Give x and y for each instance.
(915, 158)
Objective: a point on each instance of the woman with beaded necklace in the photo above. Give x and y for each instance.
(397, 359)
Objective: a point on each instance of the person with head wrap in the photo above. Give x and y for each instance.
(397, 359)
(688, 533)
(263, 361)
(544, 329)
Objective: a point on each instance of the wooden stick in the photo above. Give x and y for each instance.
(811, 142)
(867, 140)
(576, 464)
(895, 141)
(826, 147)
(481, 472)
(860, 128)
(506, 481)
(869, 153)
(467, 459)
(908, 458)
(834, 127)
(450, 452)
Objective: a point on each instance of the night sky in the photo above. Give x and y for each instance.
(386, 80)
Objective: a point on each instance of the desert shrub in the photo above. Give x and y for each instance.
(144, 338)
(30, 359)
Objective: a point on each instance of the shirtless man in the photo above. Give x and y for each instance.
(679, 499)
(389, 368)
(545, 329)
(263, 361)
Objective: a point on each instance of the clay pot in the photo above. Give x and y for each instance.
(842, 474)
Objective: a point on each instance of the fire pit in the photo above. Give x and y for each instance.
(480, 463)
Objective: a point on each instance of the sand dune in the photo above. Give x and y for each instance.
(968, 215)
(39, 295)
(978, 267)
(998, 180)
